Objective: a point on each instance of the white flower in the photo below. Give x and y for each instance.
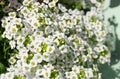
(89, 73)
(68, 74)
(99, 39)
(25, 11)
(60, 35)
(56, 42)
(11, 68)
(2, 76)
(38, 33)
(50, 49)
(98, 27)
(17, 21)
(84, 58)
(63, 49)
(62, 8)
(48, 21)
(12, 44)
(26, 2)
(108, 58)
(99, 49)
(52, 4)
(99, 76)
(48, 30)
(89, 50)
(18, 71)
(95, 67)
(103, 33)
(35, 5)
(94, 55)
(48, 66)
(76, 69)
(12, 14)
(89, 57)
(46, 56)
(23, 56)
(88, 26)
(12, 60)
(63, 23)
(9, 75)
(46, 74)
(13, 29)
(31, 47)
(102, 60)
(74, 46)
(7, 35)
(69, 24)
(16, 36)
(25, 31)
(46, 1)
(20, 40)
(40, 72)
(74, 77)
(23, 50)
(38, 57)
(33, 37)
(37, 49)
(35, 24)
(33, 63)
(74, 21)
(26, 68)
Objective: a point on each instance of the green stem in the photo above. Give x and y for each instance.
(5, 49)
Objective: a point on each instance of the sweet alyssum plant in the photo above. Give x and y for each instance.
(53, 42)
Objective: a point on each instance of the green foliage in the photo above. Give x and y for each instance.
(4, 45)
(2, 68)
(18, 77)
(54, 74)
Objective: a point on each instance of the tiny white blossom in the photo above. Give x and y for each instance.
(12, 14)
(12, 60)
(46, 74)
(26, 2)
(68, 74)
(26, 68)
(40, 72)
(50, 49)
(33, 63)
(46, 56)
(12, 44)
(63, 49)
(48, 67)
(46, 1)
(9, 75)
(52, 4)
(25, 11)
(38, 57)
(76, 69)
(89, 73)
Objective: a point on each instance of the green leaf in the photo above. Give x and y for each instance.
(2, 68)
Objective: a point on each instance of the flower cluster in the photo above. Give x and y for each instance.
(53, 42)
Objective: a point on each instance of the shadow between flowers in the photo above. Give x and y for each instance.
(114, 3)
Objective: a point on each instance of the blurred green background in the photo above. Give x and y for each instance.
(112, 20)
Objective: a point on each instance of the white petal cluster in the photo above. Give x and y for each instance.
(54, 42)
